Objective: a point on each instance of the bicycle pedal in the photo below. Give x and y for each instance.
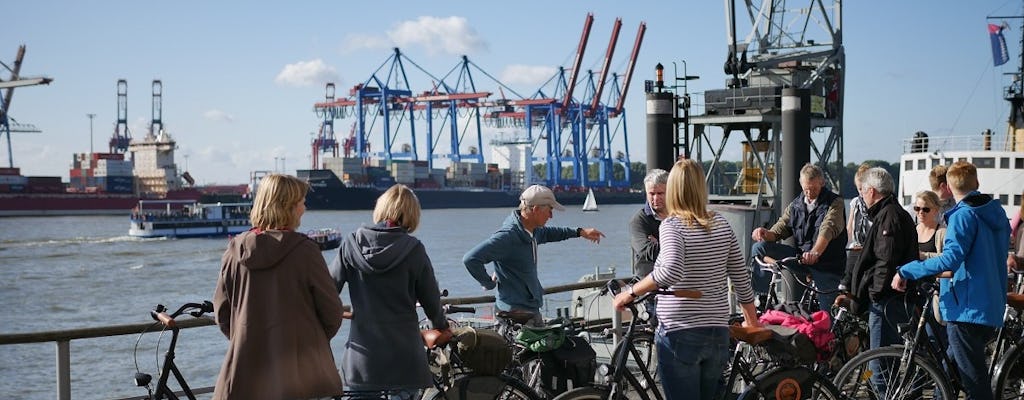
(142, 379)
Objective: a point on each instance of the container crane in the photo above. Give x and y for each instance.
(325, 141)
(122, 137)
(6, 97)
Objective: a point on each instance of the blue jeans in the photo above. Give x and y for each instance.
(691, 361)
(884, 317)
(967, 348)
(825, 280)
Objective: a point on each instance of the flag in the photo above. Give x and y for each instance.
(999, 53)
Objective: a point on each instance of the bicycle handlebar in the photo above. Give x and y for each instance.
(159, 313)
(780, 264)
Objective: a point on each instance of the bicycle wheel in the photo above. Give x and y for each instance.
(531, 372)
(874, 374)
(643, 356)
(790, 383)
(585, 393)
(1008, 379)
(481, 387)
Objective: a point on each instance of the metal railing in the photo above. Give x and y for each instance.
(63, 338)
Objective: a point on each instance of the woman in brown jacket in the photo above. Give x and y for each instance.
(277, 304)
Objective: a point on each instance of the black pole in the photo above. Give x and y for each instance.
(796, 139)
(660, 140)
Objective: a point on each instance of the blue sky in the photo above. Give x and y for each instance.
(240, 78)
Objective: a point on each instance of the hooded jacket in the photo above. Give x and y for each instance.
(387, 272)
(513, 252)
(276, 304)
(977, 236)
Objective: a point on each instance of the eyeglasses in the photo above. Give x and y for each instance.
(925, 209)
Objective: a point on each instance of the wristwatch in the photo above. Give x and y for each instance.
(579, 232)
(631, 293)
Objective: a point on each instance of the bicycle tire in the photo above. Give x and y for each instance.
(646, 354)
(1008, 379)
(791, 383)
(854, 380)
(585, 393)
(484, 387)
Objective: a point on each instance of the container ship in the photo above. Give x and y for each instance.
(104, 183)
(348, 183)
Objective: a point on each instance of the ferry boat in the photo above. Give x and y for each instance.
(326, 238)
(1000, 163)
(177, 218)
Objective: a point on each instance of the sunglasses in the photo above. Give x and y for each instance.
(925, 209)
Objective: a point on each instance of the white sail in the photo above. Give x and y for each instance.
(590, 204)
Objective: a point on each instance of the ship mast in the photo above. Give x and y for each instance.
(1014, 93)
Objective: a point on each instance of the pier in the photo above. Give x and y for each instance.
(62, 338)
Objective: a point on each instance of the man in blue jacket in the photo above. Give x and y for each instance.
(513, 250)
(973, 301)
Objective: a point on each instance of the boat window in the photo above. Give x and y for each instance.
(909, 165)
(922, 164)
(906, 199)
(1004, 163)
(949, 161)
(1016, 199)
(984, 162)
(1018, 163)
(961, 159)
(1004, 199)
(935, 162)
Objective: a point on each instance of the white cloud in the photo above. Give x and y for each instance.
(437, 35)
(306, 73)
(218, 115)
(530, 75)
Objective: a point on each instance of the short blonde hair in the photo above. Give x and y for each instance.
(930, 199)
(275, 202)
(962, 176)
(937, 176)
(686, 194)
(400, 206)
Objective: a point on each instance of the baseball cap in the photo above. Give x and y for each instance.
(538, 195)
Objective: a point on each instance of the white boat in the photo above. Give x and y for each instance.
(1000, 165)
(185, 218)
(326, 238)
(590, 204)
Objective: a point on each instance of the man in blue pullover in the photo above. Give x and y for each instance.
(513, 250)
(973, 300)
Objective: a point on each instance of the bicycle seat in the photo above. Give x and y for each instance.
(518, 316)
(750, 334)
(1015, 300)
(433, 338)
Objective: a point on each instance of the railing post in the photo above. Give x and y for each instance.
(617, 327)
(64, 369)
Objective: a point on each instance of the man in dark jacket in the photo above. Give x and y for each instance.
(643, 230)
(816, 221)
(891, 241)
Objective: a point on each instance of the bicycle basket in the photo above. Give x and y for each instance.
(541, 339)
(482, 350)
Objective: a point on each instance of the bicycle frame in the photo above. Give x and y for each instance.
(620, 370)
(170, 368)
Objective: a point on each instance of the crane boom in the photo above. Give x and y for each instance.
(579, 60)
(607, 64)
(629, 69)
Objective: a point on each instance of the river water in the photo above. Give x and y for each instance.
(76, 272)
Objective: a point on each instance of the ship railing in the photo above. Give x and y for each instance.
(62, 338)
(940, 144)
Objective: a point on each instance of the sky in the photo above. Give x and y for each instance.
(240, 77)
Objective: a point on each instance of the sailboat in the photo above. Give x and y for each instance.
(590, 204)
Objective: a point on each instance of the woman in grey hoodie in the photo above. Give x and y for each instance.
(388, 271)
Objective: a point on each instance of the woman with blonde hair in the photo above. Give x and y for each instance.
(276, 303)
(930, 233)
(387, 271)
(699, 251)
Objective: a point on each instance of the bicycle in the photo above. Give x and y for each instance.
(615, 380)
(168, 321)
(1008, 371)
(900, 371)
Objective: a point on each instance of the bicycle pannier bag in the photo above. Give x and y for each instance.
(482, 350)
(570, 366)
(787, 342)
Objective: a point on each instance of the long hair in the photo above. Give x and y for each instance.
(276, 198)
(686, 194)
(400, 206)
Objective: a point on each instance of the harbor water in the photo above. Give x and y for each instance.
(76, 272)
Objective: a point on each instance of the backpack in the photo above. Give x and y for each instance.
(569, 366)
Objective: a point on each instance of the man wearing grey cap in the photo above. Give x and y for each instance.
(513, 250)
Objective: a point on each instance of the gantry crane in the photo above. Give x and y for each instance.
(122, 137)
(7, 95)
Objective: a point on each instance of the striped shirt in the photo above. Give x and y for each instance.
(694, 258)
